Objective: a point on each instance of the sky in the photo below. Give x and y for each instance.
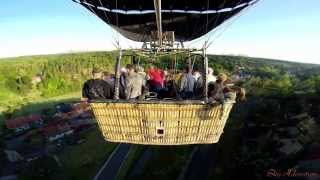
(278, 29)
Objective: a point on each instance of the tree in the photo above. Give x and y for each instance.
(40, 169)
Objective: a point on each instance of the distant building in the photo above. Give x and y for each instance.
(78, 110)
(290, 147)
(309, 126)
(34, 155)
(298, 136)
(9, 177)
(76, 122)
(57, 130)
(13, 156)
(20, 124)
(36, 79)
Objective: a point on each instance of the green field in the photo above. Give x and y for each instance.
(84, 160)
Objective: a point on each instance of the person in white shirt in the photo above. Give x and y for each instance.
(211, 78)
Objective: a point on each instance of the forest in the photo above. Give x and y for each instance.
(26, 79)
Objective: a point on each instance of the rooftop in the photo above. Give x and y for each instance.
(21, 121)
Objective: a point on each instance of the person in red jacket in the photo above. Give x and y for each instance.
(156, 79)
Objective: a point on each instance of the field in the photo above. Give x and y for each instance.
(84, 160)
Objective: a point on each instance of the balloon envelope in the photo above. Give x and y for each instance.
(189, 19)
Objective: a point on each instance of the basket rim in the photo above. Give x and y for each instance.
(178, 102)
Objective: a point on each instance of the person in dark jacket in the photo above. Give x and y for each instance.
(96, 88)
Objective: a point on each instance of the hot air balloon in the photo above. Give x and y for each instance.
(163, 26)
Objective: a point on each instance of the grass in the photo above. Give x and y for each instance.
(23, 103)
(84, 160)
(133, 155)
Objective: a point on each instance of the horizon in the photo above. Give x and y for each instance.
(62, 27)
(209, 54)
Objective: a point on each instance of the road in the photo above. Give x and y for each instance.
(201, 163)
(110, 168)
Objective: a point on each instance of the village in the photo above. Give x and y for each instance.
(292, 143)
(35, 136)
(288, 148)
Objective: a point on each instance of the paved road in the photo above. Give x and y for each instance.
(138, 167)
(201, 163)
(110, 168)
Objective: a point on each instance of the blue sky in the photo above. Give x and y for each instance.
(282, 29)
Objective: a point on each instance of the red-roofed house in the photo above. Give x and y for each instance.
(24, 123)
(81, 110)
(57, 130)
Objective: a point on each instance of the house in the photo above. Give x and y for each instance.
(76, 110)
(34, 154)
(64, 108)
(57, 130)
(299, 117)
(290, 147)
(20, 124)
(36, 79)
(309, 126)
(9, 177)
(13, 156)
(81, 121)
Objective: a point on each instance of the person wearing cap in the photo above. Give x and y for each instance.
(96, 88)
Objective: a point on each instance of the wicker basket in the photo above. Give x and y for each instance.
(161, 123)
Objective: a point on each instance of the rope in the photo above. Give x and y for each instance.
(231, 21)
(207, 25)
(117, 22)
(112, 30)
(216, 20)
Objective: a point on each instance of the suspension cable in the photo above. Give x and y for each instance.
(157, 7)
(231, 21)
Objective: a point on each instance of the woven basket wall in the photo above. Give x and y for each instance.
(161, 124)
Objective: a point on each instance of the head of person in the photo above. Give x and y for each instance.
(241, 94)
(222, 78)
(188, 69)
(196, 74)
(106, 75)
(131, 69)
(210, 71)
(165, 73)
(139, 69)
(97, 73)
(168, 75)
(152, 67)
(123, 70)
(238, 91)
